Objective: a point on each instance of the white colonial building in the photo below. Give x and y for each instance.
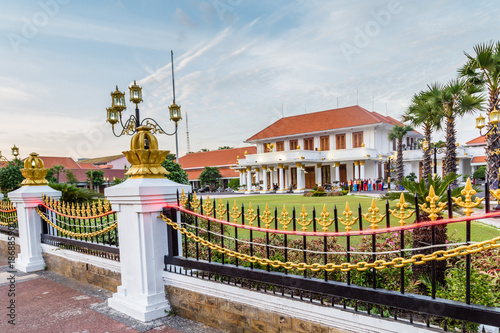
(328, 147)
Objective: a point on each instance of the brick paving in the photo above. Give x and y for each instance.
(48, 302)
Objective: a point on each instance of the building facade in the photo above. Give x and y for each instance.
(333, 146)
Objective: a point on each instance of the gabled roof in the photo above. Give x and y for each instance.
(479, 159)
(66, 162)
(101, 160)
(321, 121)
(87, 166)
(223, 157)
(479, 141)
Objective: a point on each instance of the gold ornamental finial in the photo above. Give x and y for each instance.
(349, 220)
(34, 172)
(144, 155)
(468, 192)
(373, 219)
(402, 215)
(432, 198)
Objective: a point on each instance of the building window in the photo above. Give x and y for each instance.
(324, 143)
(340, 141)
(294, 144)
(357, 139)
(309, 144)
(280, 146)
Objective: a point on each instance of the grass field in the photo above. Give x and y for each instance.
(480, 231)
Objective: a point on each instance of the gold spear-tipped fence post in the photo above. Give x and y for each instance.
(221, 210)
(235, 213)
(468, 192)
(347, 220)
(324, 220)
(266, 217)
(373, 219)
(284, 219)
(402, 214)
(433, 209)
(303, 220)
(250, 215)
(208, 207)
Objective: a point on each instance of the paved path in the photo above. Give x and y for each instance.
(48, 302)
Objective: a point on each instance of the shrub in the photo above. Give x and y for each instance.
(319, 192)
(234, 184)
(480, 173)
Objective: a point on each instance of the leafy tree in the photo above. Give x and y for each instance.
(210, 176)
(398, 133)
(11, 176)
(411, 177)
(483, 68)
(234, 184)
(171, 157)
(204, 150)
(224, 147)
(71, 193)
(58, 169)
(422, 112)
(175, 172)
(51, 176)
(455, 99)
(480, 173)
(117, 181)
(70, 177)
(95, 178)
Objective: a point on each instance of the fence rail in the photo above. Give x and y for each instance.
(89, 228)
(311, 258)
(8, 218)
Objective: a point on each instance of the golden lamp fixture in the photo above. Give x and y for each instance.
(144, 155)
(34, 172)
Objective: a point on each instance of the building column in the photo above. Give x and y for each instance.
(271, 177)
(300, 185)
(26, 199)
(257, 176)
(356, 169)
(337, 171)
(319, 179)
(362, 169)
(282, 178)
(249, 180)
(264, 179)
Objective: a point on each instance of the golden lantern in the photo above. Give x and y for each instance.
(15, 151)
(494, 117)
(380, 158)
(175, 112)
(480, 122)
(135, 94)
(118, 100)
(113, 116)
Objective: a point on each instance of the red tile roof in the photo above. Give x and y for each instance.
(87, 166)
(479, 141)
(66, 162)
(214, 158)
(479, 159)
(323, 120)
(225, 173)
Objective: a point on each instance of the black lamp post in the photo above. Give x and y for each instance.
(436, 150)
(389, 159)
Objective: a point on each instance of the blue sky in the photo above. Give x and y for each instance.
(239, 64)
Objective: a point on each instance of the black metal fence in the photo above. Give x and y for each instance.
(366, 268)
(8, 218)
(86, 232)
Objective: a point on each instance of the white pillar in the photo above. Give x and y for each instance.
(257, 176)
(318, 174)
(264, 179)
(337, 172)
(271, 178)
(282, 178)
(362, 169)
(300, 185)
(249, 180)
(143, 239)
(356, 170)
(26, 199)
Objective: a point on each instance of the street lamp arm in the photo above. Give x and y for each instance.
(156, 127)
(128, 128)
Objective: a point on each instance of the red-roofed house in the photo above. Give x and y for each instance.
(477, 151)
(194, 163)
(323, 148)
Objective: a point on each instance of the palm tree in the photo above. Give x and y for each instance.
(398, 133)
(422, 113)
(455, 99)
(58, 169)
(484, 68)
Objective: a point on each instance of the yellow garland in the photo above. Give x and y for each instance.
(74, 234)
(7, 223)
(344, 267)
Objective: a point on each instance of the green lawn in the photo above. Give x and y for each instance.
(480, 231)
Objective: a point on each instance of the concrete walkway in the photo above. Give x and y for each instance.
(48, 302)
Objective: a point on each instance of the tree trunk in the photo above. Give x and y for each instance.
(492, 147)
(450, 163)
(399, 162)
(427, 155)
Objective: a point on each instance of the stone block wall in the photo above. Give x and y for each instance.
(237, 317)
